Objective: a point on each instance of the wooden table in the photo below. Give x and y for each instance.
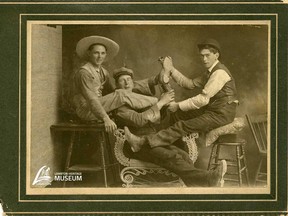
(104, 142)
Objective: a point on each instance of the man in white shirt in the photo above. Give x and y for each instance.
(215, 106)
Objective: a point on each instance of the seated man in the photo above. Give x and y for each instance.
(91, 80)
(215, 106)
(144, 121)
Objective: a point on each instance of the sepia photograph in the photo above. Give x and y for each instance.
(148, 107)
(143, 108)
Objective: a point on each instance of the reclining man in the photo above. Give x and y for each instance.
(214, 107)
(144, 121)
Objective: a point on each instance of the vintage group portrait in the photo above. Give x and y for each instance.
(149, 107)
(133, 111)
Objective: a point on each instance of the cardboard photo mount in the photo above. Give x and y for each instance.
(19, 146)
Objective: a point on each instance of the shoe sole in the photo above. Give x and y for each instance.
(224, 165)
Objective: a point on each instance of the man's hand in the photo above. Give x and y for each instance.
(166, 98)
(173, 107)
(110, 126)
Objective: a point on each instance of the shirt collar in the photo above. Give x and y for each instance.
(211, 68)
(97, 70)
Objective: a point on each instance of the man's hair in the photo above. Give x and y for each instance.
(117, 78)
(95, 44)
(209, 47)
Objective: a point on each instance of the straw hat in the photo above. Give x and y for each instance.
(83, 45)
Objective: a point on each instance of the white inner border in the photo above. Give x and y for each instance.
(95, 191)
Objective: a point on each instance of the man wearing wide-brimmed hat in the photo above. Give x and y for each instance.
(215, 106)
(92, 79)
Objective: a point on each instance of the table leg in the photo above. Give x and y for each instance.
(103, 158)
(69, 153)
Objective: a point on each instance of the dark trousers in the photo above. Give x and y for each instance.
(202, 120)
(176, 160)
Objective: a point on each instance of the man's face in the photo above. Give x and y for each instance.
(125, 82)
(208, 58)
(97, 55)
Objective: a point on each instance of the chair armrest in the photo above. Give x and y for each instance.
(192, 146)
(118, 149)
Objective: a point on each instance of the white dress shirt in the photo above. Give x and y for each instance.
(214, 84)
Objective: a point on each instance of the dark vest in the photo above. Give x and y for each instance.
(228, 93)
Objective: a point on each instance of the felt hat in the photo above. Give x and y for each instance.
(211, 42)
(83, 45)
(122, 71)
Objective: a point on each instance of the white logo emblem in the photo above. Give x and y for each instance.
(43, 177)
(1, 209)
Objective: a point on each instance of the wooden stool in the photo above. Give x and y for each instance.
(240, 161)
(104, 142)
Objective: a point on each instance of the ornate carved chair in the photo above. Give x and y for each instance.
(134, 172)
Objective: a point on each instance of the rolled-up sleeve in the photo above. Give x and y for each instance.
(215, 83)
(185, 82)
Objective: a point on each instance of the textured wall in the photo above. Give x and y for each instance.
(46, 76)
(244, 52)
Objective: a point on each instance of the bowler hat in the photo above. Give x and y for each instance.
(83, 45)
(211, 42)
(122, 71)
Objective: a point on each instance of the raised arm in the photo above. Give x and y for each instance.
(178, 77)
(185, 82)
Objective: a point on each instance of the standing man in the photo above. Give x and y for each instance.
(145, 121)
(92, 79)
(215, 106)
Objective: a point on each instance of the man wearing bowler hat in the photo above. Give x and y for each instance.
(91, 80)
(215, 106)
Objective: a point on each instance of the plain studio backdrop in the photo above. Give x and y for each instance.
(244, 50)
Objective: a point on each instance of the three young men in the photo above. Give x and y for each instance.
(214, 107)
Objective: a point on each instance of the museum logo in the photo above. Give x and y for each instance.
(42, 178)
(68, 176)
